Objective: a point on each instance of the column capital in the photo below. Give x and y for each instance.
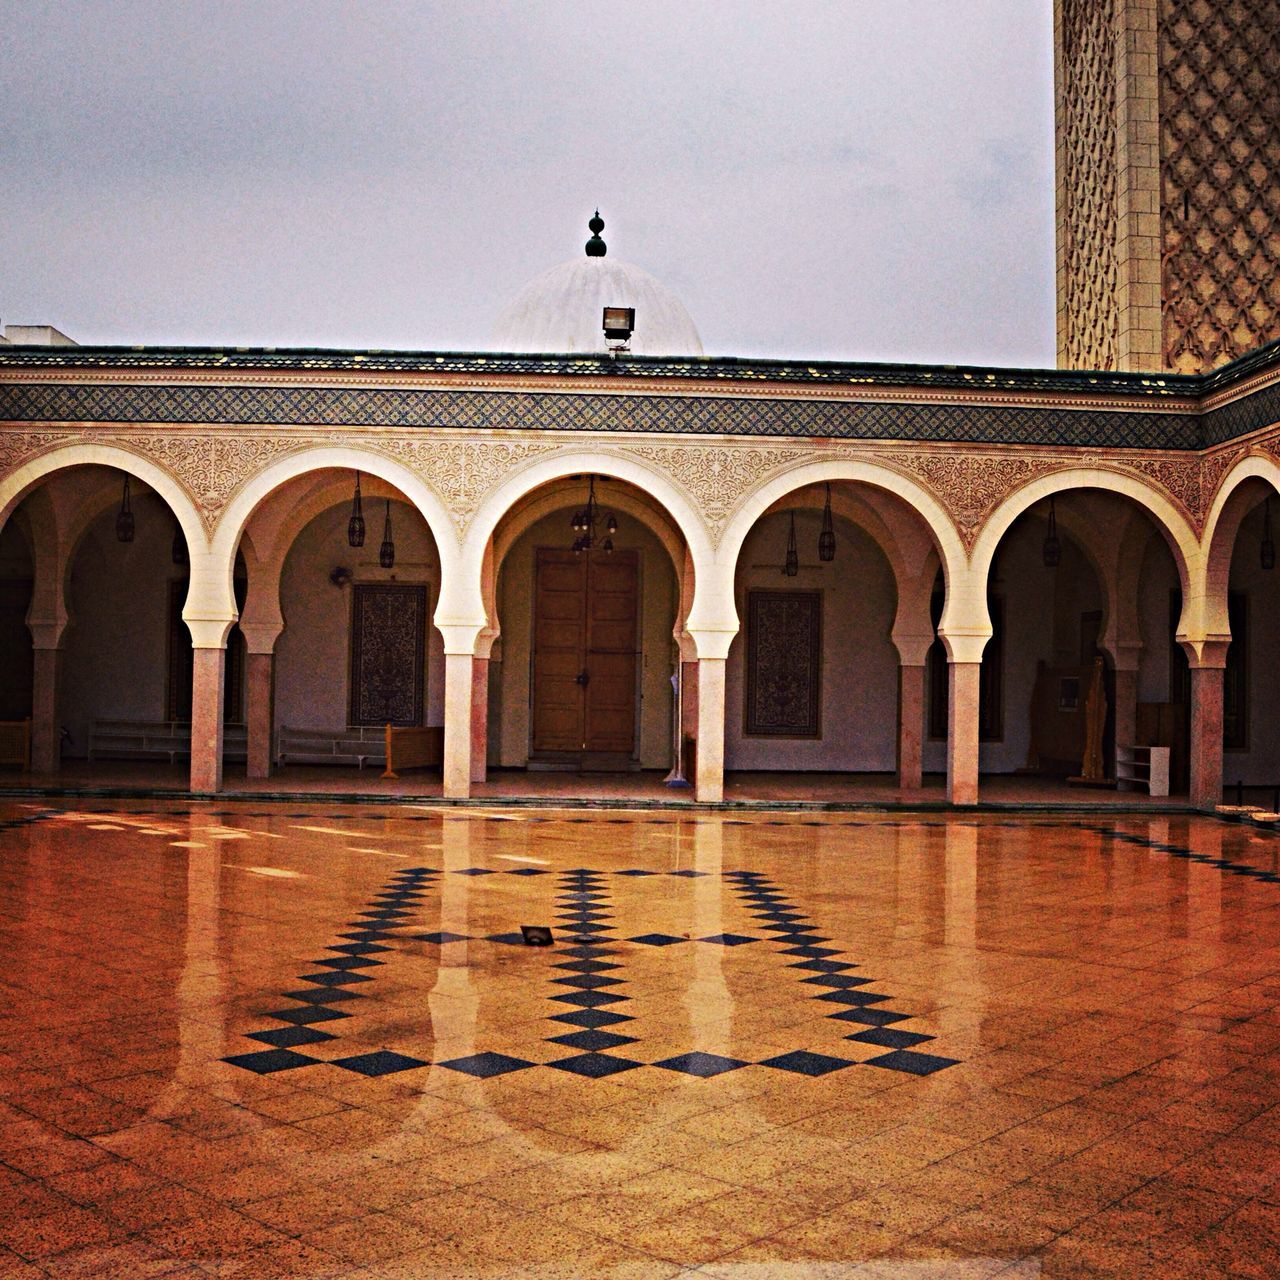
(712, 643)
(1205, 651)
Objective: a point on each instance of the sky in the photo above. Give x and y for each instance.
(867, 180)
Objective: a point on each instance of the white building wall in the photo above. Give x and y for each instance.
(859, 716)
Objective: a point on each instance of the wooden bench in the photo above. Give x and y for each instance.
(415, 747)
(15, 743)
(157, 740)
(358, 745)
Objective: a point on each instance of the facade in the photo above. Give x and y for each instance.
(994, 533)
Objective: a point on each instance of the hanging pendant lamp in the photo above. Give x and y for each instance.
(1052, 549)
(585, 520)
(827, 538)
(355, 526)
(791, 566)
(124, 520)
(387, 552)
(1267, 551)
(178, 552)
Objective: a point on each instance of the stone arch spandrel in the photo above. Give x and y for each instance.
(1168, 519)
(618, 464)
(82, 453)
(1235, 496)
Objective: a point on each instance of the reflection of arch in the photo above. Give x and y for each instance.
(647, 479)
(236, 517)
(15, 486)
(1240, 491)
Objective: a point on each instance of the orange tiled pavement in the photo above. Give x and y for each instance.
(1105, 990)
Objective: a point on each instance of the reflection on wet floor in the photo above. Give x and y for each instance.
(260, 1040)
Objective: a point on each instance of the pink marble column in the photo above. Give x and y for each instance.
(910, 727)
(458, 681)
(689, 717)
(258, 671)
(209, 669)
(45, 731)
(962, 733)
(1126, 683)
(1206, 737)
(479, 719)
(709, 782)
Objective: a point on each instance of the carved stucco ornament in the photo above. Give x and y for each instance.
(718, 477)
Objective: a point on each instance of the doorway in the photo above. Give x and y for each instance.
(586, 606)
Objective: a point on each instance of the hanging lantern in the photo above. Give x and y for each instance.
(585, 520)
(124, 520)
(178, 552)
(387, 552)
(1267, 551)
(355, 526)
(791, 566)
(827, 538)
(1052, 549)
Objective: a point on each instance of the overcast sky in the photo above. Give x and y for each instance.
(869, 180)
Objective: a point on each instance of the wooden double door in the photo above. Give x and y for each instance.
(586, 607)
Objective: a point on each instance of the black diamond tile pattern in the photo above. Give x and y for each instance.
(329, 987)
(381, 1063)
(703, 1065)
(916, 1064)
(804, 1063)
(595, 1065)
(486, 1065)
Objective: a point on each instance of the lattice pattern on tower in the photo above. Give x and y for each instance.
(1089, 218)
(1220, 171)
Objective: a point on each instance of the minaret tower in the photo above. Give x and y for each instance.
(1168, 182)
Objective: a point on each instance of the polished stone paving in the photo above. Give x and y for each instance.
(249, 1039)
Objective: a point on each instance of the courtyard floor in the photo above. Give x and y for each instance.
(265, 1040)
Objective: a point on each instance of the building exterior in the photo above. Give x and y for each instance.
(992, 532)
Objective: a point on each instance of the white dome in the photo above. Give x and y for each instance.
(562, 309)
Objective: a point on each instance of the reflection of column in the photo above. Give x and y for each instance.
(258, 672)
(1206, 736)
(45, 732)
(709, 786)
(459, 674)
(910, 727)
(708, 1000)
(208, 674)
(479, 718)
(960, 934)
(962, 732)
(453, 1001)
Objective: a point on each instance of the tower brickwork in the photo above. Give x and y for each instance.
(1168, 182)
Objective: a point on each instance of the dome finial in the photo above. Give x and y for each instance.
(596, 247)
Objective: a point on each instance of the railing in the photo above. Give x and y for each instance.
(413, 748)
(15, 743)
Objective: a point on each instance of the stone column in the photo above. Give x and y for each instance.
(459, 675)
(208, 674)
(910, 727)
(962, 732)
(709, 786)
(1126, 679)
(479, 719)
(46, 733)
(1206, 736)
(259, 670)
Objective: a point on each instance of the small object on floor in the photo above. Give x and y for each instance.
(536, 935)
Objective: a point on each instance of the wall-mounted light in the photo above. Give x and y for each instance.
(619, 325)
(1051, 552)
(124, 518)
